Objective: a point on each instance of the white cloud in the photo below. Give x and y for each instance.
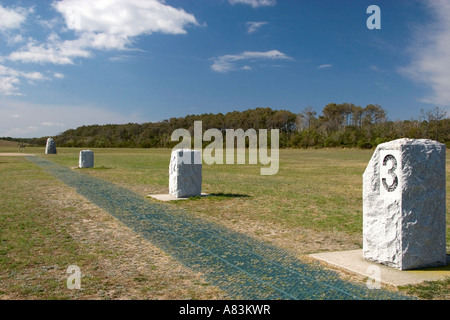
(104, 25)
(10, 78)
(124, 18)
(252, 27)
(430, 63)
(121, 58)
(13, 39)
(29, 120)
(231, 62)
(12, 18)
(8, 85)
(50, 24)
(255, 3)
(95, 25)
(54, 51)
(52, 124)
(33, 76)
(325, 66)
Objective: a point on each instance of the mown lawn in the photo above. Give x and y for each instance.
(313, 204)
(45, 227)
(316, 189)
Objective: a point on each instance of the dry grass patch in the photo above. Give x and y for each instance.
(48, 226)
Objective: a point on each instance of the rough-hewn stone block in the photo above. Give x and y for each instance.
(86, 159)
(50, 147)
(185, 173)
(404, 207)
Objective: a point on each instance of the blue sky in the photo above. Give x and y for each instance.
(68, 63)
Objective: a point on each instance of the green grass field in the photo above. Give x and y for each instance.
(313, 204)
(316, 189)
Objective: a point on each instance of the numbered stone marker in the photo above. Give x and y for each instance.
(50, 147)
(404, 208)
(185, 173)
(86, 159)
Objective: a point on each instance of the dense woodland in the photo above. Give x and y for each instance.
(339, 125)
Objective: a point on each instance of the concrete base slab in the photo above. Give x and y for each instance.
(169, 197)
(353, 261)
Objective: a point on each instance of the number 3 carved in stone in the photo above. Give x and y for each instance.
(391, 171)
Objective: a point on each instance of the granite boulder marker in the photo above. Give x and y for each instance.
(185, 173)
(86, 159)
(50, 147)
(404, 209)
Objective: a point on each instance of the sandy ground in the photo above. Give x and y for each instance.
(18, 154)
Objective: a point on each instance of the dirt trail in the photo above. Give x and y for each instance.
(18, 154)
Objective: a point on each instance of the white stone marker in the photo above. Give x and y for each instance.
(50, 147)
(404, 208)
(86, 159)
(185, 173)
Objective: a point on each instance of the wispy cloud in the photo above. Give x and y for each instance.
(241, 61)
(54, 51)
(430, 63)
(255, 3)
(52, 124)
(325, 66)
(252, 27)
(377, 69)
(107, 25)
(12, 18)
(122, 58)
(36, 120)
(58, 75)
(10, 78)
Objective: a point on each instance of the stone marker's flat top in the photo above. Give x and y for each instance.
(410, 142)
(353, 261)
(169, 197)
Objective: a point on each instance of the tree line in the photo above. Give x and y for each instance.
(339, 125)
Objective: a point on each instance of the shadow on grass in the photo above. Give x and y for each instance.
(221, 196)
(94, 168)
(230, 195)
